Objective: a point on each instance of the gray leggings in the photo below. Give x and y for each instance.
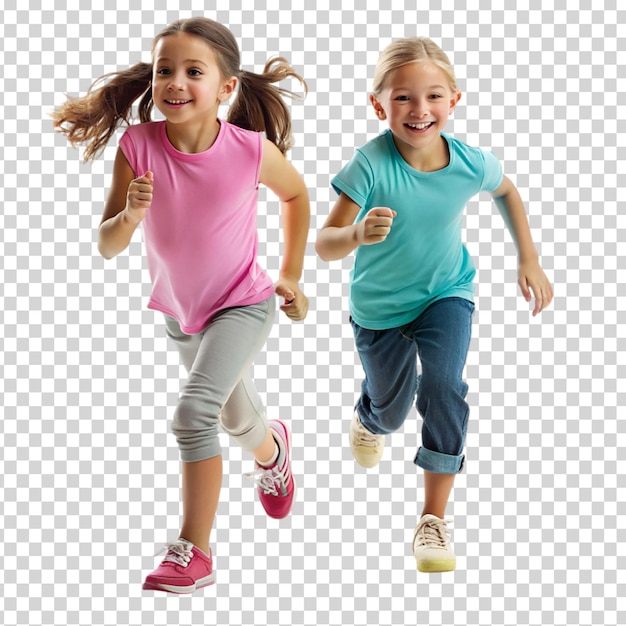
(219, 388)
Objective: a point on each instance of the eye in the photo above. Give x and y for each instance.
(194, 72)
(402, 98)
(163, 71)
(435, 96)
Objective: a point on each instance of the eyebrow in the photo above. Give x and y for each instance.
(427, 88)
(195, 61)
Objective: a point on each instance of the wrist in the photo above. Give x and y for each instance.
(289, 276)
(127, 216)
(529, 257)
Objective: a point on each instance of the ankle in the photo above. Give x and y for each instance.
(198, 542)
(272, 459)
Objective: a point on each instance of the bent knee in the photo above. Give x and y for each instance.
(191, 420)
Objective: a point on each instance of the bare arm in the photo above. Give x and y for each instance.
(511, 207)
(530, 274)
(339, 235)
(125, 207)
(279, 175)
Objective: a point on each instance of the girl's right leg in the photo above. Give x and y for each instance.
(389, 359)
(217, 360)
(219, 370)
(201, 486)
(201, 480)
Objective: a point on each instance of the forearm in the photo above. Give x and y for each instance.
(512, 210)
(114, 235)
(296, 217)
(335, 243)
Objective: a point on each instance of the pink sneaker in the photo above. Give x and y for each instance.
(276, 485)
(184, 569)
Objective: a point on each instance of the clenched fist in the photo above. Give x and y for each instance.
(296, 304)
(139, 197)
(375, 226)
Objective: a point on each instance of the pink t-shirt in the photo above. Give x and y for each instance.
(200, 230)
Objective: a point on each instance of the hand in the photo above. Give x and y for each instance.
(139, 197)
(532, 278)
(375, 226)
(296, 303)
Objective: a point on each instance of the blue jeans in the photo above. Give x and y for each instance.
(440, 336)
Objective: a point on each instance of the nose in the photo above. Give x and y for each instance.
(420, 108)
(176, 82)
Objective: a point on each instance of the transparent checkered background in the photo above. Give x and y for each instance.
(89, 474)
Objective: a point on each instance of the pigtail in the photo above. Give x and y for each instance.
(93, 119)
(259, 104)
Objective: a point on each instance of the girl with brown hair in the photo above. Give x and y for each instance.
(191, 181)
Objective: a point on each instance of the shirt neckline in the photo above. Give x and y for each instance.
(412, 170)
(195, 156)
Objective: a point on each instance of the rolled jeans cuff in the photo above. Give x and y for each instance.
(439, 463)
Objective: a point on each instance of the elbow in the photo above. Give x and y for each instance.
(332, 245)
(105, 250)
(105, 253)
(321, 251)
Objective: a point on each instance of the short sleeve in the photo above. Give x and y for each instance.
(493, 172)
(356, 179)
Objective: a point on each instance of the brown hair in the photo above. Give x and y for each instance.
(259, 105)
(409, 50)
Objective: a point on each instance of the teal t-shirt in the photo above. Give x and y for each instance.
(423, 259)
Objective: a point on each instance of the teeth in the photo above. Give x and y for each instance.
(177, 101)
(420, 126)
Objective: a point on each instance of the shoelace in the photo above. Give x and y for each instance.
(363, 437)
(178, 552)
(433, 534)
(271, 480)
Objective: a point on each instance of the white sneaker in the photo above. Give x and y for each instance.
(367, 448)
(431, 545)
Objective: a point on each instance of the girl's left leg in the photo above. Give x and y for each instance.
(437, 488)
(241, 418)
(442, 334)
(267, 450)
(431, 540)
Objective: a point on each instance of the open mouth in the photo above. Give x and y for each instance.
(420, 128)
(177, 102)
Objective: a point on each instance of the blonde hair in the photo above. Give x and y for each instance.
(409, 50)
(108, 104)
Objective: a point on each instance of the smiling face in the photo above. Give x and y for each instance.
(187, 85)
(416, 100)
